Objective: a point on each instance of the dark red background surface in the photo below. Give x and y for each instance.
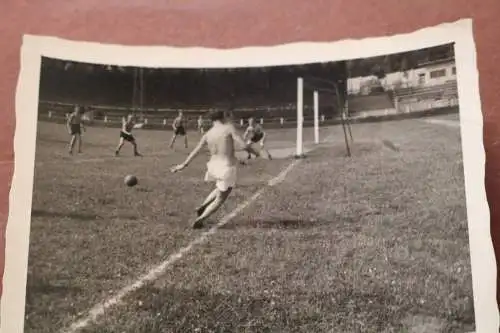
(236, 23)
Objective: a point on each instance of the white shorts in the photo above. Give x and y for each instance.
(223, 174)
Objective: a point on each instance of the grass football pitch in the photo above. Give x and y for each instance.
(373, 243)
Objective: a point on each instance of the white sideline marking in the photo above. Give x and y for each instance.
(99, 309)
(449, 123)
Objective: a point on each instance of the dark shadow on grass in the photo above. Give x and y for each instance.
(391, 145)
(339, 150)
(80, 216)
(143, 190)
(51, 140)
(126, 217)
(41, 287)
(70, 215)
(85, 143)
(291, 224)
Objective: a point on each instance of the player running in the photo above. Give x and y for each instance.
(255, 134)
(179, 129)
(126, 135)
(221, 140)
(75, 128)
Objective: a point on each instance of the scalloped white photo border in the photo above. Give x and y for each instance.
(471, 123)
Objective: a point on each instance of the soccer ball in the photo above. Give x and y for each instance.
(131, 180)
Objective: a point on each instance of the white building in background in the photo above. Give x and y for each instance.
(426, 75)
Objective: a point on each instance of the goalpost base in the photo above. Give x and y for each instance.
(299, 157)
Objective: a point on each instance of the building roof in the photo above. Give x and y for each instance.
(436, 62)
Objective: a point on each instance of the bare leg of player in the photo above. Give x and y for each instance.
(136, 152)
(120, 145)
(211, 197)
(258, 152)
(172, 141)
(79, 143)
(212, 207)
(266, 153)
(72, 144)
(185, 141)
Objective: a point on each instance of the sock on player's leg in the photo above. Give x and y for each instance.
(212, 207)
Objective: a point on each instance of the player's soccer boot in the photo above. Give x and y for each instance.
(197, 224)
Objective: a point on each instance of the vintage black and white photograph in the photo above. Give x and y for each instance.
(325, 196)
